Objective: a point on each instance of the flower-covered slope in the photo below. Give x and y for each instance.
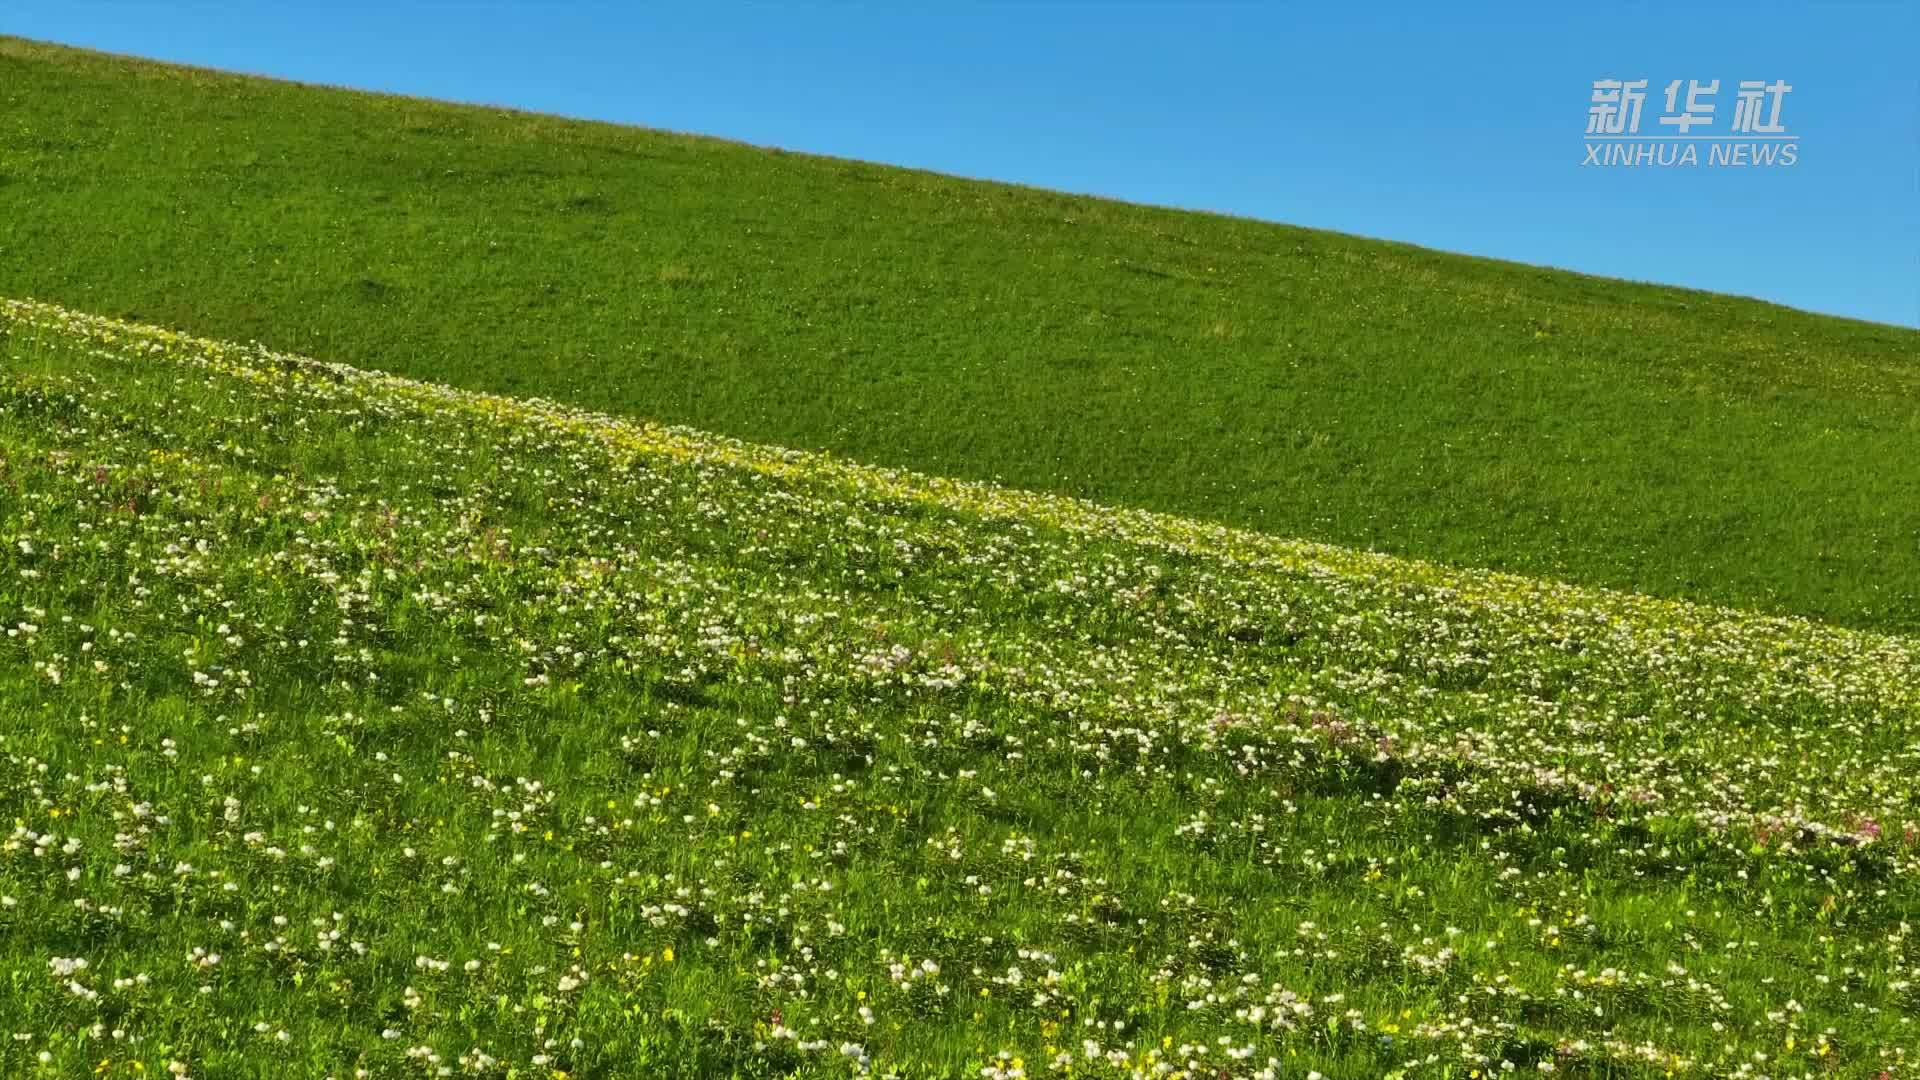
(351, 725)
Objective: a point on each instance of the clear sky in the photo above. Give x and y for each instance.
(1453, 127)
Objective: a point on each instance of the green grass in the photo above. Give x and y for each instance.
(1298, 382)
(354, 726)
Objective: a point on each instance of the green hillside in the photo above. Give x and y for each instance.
(1298, 382)
(353, 726)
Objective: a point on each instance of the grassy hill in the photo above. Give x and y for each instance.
(356, 726)
(1298, 382)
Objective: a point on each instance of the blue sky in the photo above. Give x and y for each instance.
(1453, 128)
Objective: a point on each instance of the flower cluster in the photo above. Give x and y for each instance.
(353, 726)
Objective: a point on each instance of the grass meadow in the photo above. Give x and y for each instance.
(1296, 382)
(355, 726)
